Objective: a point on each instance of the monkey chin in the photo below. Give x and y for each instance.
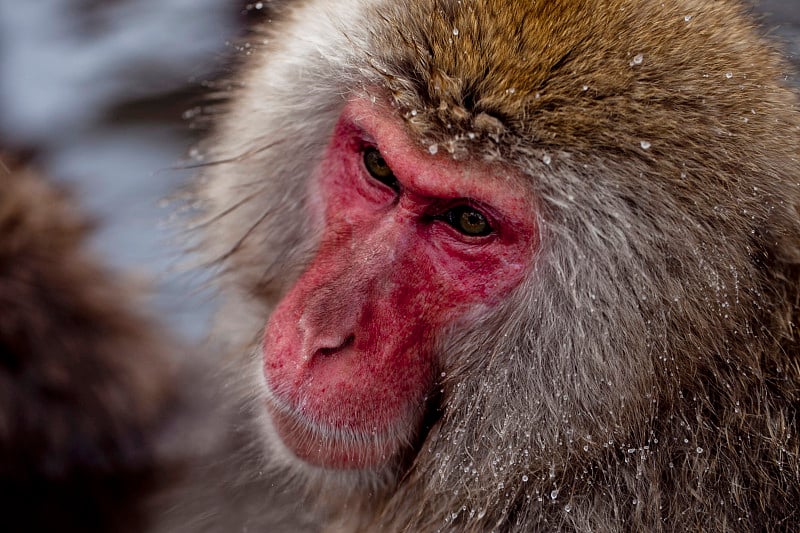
(329, 448)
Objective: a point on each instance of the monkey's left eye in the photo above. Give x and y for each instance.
(379, 169)
(468, 220)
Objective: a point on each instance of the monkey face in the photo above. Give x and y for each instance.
(411, 242)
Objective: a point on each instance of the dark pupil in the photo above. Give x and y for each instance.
(468, 221)
(378, 169)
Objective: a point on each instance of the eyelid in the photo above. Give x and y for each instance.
(448, 204)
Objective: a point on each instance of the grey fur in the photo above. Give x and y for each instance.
(645, 376)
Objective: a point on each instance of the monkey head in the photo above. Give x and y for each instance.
(491, 247)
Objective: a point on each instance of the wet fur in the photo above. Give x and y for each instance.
(645, 376)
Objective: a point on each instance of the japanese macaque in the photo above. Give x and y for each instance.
(84, 381)
(504, 266)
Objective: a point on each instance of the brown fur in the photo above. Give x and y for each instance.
(717, 448)
(83, 379)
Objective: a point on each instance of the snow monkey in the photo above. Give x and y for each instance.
(495, 265)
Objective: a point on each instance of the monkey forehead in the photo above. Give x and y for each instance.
(569, 73)
(427, 172)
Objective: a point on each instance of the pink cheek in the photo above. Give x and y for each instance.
(471, 274)
(281, 337)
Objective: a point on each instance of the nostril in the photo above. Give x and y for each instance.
(346, 343)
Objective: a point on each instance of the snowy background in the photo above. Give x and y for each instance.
(99, 90)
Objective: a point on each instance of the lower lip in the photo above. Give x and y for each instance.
(329, 448)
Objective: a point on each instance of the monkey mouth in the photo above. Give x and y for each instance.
(326, 446)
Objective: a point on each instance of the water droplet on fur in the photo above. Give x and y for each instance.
(554, 494)
(546, 159)
(195, 154)
(455, 31)
(645, 145)
(637, 59)
(433, 149)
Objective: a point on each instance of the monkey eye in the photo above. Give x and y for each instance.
(379, 169)
(467, 220)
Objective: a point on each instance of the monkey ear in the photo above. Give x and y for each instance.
(83, 379)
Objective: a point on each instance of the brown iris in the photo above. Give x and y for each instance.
(468, 221)
(379, 169)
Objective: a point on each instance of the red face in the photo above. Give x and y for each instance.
(412, 242)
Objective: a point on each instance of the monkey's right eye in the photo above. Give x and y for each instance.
(379, 169)
(468, 221)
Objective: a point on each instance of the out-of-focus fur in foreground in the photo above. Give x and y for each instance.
(84, 380)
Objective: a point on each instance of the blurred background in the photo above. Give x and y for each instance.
(102, 95)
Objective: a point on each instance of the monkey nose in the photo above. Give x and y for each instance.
(323, 338)
(331, 346)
